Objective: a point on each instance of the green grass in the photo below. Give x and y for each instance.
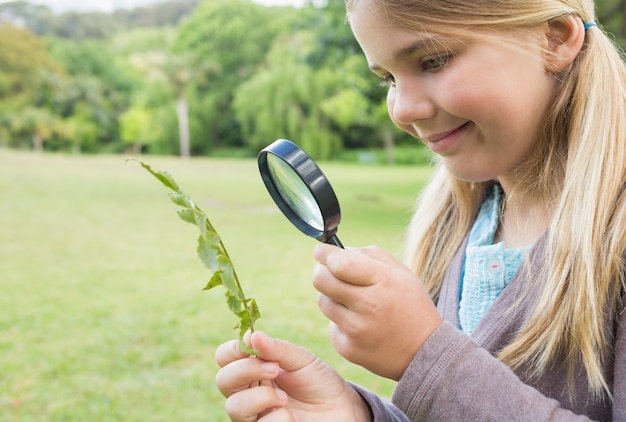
(102, 313)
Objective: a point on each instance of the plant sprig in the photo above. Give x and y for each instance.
(214, 256)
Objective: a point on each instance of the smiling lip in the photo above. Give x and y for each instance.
(444, 140)
(432, 139)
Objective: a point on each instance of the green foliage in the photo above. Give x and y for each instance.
(214, 256)
(139, 40)
(335, 42)
(80, 132)
(230, 92)
(281, 100)
(94, 58)
(248, 74)
(235, 34)
(35, 17)
(92, 25)
(24, 59)
(178, 72)
(137, 127)
(413, 154)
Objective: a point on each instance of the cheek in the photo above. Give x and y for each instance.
(467, 92)
(497, 104)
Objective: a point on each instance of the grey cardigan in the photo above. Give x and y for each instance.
(455, 377)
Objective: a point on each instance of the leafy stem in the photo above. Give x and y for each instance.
(214, 256)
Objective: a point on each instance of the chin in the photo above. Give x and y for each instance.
(467, 175)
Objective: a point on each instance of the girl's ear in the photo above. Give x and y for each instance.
(565, 38)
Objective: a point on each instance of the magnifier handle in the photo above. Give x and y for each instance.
(334, 240)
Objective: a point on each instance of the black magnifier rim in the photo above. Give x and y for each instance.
(314, 179)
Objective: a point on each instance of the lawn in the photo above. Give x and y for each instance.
(102, 313)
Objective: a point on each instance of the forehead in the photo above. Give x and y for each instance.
(409, 17)
(383, 40)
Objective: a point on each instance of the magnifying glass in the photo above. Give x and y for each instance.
(300, 190)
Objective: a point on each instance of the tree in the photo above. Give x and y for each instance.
(94, 25)
(611, 15)
(179, 72)
(79, 131)
(38, 124)
(137, 128)
(236, 34)
(24, 60)
(283, 100)
(37, 18)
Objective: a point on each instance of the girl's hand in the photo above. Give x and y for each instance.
(379, 310)
(295, 385)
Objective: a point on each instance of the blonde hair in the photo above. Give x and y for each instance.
(578, 169)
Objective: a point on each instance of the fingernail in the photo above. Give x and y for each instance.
(268, 367)
(318, 250)
(282, 396)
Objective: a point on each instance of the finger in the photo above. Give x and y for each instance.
(321, 251)
(341, 343)
(331, 288)
(338, 293)
(288, 356)
(352, 266)
(278, 415)
(376, 253)
(334, 311)
(247, 404)
(240, 374)
(228, 352)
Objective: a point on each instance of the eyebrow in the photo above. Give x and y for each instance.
(409, 50)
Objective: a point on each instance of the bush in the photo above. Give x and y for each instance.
(408, 155)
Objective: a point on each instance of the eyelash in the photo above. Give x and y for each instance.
(439, 63)
(388, 81)
(428, 64)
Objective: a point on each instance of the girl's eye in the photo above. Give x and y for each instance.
(388, 81)
(435, 64)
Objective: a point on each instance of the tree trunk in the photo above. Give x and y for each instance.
(38, 142)
(387, 134)
(182, 112)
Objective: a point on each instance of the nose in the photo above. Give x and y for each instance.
(409, 102)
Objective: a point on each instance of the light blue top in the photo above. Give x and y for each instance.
(488, 267)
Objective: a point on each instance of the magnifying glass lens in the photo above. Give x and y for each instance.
(295, 192)
(301, 191)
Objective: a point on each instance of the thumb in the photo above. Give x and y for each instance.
(288, 356)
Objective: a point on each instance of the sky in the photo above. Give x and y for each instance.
(59, 6)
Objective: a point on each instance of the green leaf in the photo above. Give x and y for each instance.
(216, 280)
(254, 311)
(182, 200)
(213, 255)
(167, 180)
(205, 229)
(187, 216)
(163, 176)
(244, 347)
(229, 279)
(234, 304)
(208, 253)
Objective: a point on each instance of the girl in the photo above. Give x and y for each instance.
(516, 250)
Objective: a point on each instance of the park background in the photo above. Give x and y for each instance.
(102, 313)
